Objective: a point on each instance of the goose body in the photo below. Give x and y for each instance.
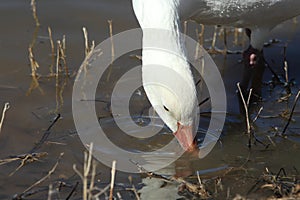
(179, 112)
(258, 15)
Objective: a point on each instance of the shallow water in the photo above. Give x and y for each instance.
(31, 114)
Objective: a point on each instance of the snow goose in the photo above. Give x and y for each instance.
(260, 16)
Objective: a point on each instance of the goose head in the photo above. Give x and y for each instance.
(166, 74)
(173, 97)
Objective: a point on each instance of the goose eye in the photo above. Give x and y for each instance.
(166, 108)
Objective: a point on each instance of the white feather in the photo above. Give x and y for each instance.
(258, 15)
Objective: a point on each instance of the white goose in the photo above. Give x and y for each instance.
(260, 16)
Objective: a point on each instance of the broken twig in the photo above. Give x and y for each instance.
(52, 170)
(5, 108)
(291, 114)
(46, 135)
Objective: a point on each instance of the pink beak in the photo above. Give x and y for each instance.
(184, 135)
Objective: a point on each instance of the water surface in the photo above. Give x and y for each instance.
(31, 114)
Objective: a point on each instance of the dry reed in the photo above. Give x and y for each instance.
(113, 175)
(50, 172)
(52, 51)
(110, 25)
(33, 7)
(5, 108)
